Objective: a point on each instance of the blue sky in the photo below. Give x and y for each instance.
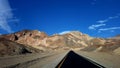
(98, 18)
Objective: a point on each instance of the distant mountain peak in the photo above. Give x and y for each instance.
(117, 35)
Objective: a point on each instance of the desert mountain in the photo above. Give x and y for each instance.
(39, 39)
(74, 39)
(116, 37)
(8, 47)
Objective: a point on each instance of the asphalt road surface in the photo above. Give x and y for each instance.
(73, 60)
(59, 59)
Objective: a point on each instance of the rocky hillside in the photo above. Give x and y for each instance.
(37, 39)
(116, 37)
(74, 39)
(8, 47)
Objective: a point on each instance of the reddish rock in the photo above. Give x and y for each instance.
(73, 39)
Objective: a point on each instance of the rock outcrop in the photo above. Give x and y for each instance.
(8, 47)
(74, 39)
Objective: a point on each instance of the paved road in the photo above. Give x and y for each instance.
(59, 59)
(107, 59)
(73, 60)
(39, 60)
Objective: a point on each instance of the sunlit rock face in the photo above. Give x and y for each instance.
(37, 38)
(73, 39)
(26, 37)
(98, 41)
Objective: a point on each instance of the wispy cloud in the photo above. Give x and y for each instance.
(64, 32)
(5, 16)
(101, 23)
(109, 18)
(108, 29)
(93, 27)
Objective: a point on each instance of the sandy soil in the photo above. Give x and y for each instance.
(43, 60)
(52, 58)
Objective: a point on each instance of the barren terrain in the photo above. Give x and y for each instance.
(52, 58)
(35, 49)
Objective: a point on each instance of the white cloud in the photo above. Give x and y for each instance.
(101, 23)
(64, 32)
(109, 18)
(108, 29)
(5, 15)
(93, 27)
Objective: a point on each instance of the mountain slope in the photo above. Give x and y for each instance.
(8, 47)
(74, 39)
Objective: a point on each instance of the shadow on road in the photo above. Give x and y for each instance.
(73, 60)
